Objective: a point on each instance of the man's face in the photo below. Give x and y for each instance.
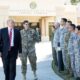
(63, 22)
(67, 25)
(76, 30)
(11, 24)
(26, 25)
(70, 28)
(56, 25)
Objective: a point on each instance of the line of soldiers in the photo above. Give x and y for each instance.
(66, 47)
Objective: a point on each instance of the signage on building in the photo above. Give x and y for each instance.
(33, 5)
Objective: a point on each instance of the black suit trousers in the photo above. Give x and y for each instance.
(60, 61)
(9, 65)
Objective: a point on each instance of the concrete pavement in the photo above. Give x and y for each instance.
(44, 70)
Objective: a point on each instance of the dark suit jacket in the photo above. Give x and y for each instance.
(4, 42)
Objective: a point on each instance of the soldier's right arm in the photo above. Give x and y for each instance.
(35, 36)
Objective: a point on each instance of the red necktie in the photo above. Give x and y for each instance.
(10, 36)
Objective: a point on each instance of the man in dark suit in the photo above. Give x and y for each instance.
(10, 45)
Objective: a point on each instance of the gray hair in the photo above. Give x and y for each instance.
(57, 24)
(10, 20)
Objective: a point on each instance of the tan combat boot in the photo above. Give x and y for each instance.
(35, 75)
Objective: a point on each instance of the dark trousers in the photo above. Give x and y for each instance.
(9, 65)
(54, 53)
(60, 61)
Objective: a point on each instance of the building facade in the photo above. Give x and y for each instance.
(40, 13)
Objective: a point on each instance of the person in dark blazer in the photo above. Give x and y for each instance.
(10, 45)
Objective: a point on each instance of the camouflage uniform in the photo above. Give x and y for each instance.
(54, 53)
(58, 44)
(67, 56)
(76, 45)
(29, 38)
(71, 50)
(62, 34)
(55, 39)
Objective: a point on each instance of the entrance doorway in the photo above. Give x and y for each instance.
(38, 23)
(33, 25)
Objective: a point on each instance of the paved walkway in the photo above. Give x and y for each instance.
(44, 71)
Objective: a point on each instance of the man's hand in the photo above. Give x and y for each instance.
(58, 48)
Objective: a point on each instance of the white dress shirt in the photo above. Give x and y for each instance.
(12, 39)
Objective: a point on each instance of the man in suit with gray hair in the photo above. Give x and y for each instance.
(10, 45)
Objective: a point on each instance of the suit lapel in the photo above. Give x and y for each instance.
(14, 34)
(7, 34)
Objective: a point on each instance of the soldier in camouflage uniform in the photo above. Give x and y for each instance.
(76, 46)
(54, 35)
(71, 52)
(71, 28)
(29, 38)
(59, 47)
(77, 52)
(65, 42)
